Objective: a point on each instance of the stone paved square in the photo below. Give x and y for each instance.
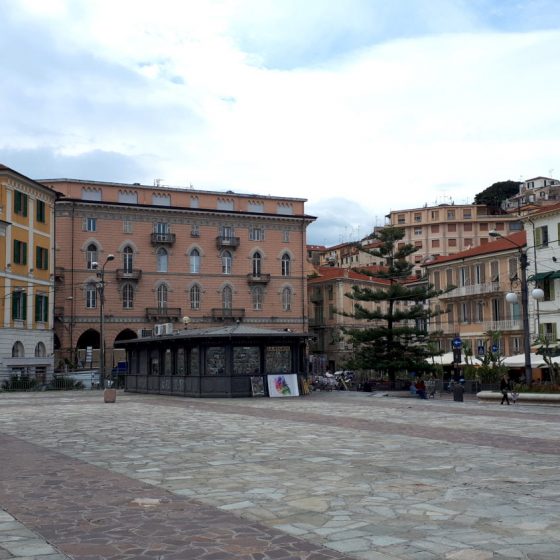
(330, 475)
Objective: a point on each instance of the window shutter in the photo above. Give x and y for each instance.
(24, 253)
(552, 292)
(24, 305)
(37, 257)
(554, 335)
(14, 304)
(84, 224)
(37, 308)
(24, 197)
(16, 251)
(538, 237)
(17, 202)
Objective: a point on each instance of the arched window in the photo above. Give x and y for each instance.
(286, 265)
(128, 259)
(194, 296)
(162, 296)
(226, 262)
(194, 261)
(40, 350)
(287, 299)
(91, 296)
(257, 296)
(227, 298)
(91, 255)
(257, 261)
(161, 255)
(128, 296)
(18, 350)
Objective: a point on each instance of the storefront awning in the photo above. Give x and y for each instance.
(550, 275)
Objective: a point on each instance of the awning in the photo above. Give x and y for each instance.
(550, 275)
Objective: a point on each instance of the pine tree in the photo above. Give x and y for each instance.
(398, 340)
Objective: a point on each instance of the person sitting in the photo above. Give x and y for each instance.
(421, 389)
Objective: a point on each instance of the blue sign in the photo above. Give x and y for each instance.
(457, 343)
(481, 350)
(494, 347)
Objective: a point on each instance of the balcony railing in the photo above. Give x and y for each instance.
(159, 313)
(258, 278)
(472, 290)
(132, 274)
(222, 313)
(163, 238)
(479, 328)
(227, 242)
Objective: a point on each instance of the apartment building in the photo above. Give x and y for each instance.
(535, 192)
(349, 255)
(449, 229)
(543, 240)
(481, 277)
(174, 258)
(26, 276)
(327, 291)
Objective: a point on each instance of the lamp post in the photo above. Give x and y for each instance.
(101, 288)
(512, 298)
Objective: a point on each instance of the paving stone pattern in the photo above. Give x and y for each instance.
(328, 476)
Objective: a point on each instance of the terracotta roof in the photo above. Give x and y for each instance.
(333, 273)
(505, 243)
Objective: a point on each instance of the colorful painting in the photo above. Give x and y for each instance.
(283, 385)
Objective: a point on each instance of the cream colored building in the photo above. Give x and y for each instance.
(26, 276)
(481, 277)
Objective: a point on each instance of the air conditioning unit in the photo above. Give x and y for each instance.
(168, 328)
(143, 333)
(159, 330)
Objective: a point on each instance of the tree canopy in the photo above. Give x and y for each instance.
(495, 194)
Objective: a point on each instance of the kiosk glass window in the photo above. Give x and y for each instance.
(278, 359)
(194, 362)
(246, 360)
(216, 360)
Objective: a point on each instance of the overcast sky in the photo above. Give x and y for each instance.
(359, 106)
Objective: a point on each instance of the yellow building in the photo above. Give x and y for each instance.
(26, 276)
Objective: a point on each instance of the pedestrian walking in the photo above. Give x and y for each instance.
(504, 388)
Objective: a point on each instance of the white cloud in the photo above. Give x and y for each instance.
(385, 106)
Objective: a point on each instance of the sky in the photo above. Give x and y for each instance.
(359, 106)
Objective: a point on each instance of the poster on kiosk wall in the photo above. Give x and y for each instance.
(283, 385)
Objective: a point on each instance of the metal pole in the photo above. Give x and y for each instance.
(101, 329)
(525, 312)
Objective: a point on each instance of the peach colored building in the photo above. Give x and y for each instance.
(448, 229)
(183, 258)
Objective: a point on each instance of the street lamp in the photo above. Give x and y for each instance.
(101, 288)
(511, 297)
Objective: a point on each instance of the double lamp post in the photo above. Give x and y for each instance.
(511, 297)
(101, 290)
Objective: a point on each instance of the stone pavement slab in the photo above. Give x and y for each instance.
(332, 475)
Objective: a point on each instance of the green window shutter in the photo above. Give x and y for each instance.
(14, 304)
(37, 308)
(24, 253)
(37, 257)
(24, 305)
(46, 309)
(16, 251)
(24, 199)
(46, 258)
(17, 202)
(538, 237)
(552, 291)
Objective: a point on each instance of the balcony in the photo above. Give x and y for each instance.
(133, 274)
(163, 238)
(163, 313)
(258, 278)
(227, 242)
(226, 313)
(472, 290)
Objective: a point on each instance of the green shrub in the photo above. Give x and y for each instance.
(19, 383)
